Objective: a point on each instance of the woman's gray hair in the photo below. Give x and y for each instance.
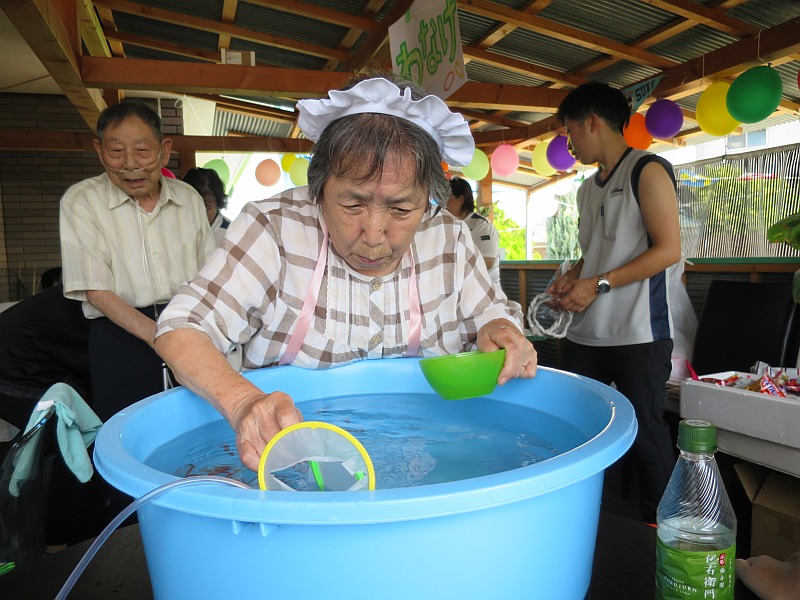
(357, 146)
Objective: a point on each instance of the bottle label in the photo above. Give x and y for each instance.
(694, 575)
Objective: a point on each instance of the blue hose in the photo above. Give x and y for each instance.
(126, 512)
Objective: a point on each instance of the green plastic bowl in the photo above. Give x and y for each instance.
(463, 375)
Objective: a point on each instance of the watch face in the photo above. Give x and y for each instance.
(603, 287)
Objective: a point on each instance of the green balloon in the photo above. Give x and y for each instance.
(755, 94)
(298, 172)
(478, 167)
(221, 167)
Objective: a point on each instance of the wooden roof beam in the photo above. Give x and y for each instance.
(318, 13)
(163, 46)
(183, 77)
(378, 38)
(228, 15)
(711, 18)
(91, 30)
(186, 77)
(251, 35)
(565, 33)
(351, 37)
(504, 29)
(42, 26)
(520, 66)
(770, 45)
(657, 36)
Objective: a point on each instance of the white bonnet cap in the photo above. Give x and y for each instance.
(378, 95)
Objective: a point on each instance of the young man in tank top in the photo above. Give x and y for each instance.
(629, 236)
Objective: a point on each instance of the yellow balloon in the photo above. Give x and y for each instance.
(287, 160)
(712, 111)
(539, 160)
(298, 173)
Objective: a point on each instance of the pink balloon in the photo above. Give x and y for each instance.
(505, 160)
(268, 173)
(558, 155)
(167, 173)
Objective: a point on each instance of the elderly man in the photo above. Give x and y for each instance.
(129, 238)
(359, 265)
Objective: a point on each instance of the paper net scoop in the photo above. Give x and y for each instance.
(315, 456)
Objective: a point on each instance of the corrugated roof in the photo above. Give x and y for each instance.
(615, 22)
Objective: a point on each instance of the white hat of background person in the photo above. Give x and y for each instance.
(378, 95)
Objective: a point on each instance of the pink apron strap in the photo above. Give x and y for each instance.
(312, 296)
(415, 312)
(309, 304)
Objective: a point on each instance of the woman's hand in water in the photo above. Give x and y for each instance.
(256, 419)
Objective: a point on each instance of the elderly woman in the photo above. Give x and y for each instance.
(361, 264)
(210, 187)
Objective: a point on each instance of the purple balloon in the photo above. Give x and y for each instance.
(558, 154)
(664, 119)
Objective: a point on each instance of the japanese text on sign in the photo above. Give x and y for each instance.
(426, 46)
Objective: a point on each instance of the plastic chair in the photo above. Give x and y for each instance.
(743, 323)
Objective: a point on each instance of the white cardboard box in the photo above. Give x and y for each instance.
(756, 427)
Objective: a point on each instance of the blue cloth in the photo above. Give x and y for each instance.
(76, 427)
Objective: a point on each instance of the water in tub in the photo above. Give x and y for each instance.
(412, 439)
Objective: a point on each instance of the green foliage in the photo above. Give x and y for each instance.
(512, 235)
(562, 229)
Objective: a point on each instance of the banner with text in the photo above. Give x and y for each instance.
(637, 94)
(426, 47)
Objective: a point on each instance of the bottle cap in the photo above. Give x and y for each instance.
(695, 435)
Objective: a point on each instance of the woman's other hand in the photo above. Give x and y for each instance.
(520, 355)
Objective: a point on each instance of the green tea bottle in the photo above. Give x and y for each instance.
(696, 545)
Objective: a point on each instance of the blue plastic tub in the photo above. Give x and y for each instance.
(525, 533)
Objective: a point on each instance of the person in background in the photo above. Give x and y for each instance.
(770, 578)
(357, 265)
(210, 187)
(44, 340)
(484, 234)
(51, 277)
(129, 238)
(629, 236)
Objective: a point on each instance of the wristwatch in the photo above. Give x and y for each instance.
(603, 285)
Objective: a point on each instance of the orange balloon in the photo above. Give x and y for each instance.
(636, 133)
(268, 173)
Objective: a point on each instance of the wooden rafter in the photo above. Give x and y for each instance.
(43, 28)
(378, 38)
(318, 13)
(91, 29)
(565, 33)
(167, 16)
(714, 19)
(228, 16)
(504, 29)
(351, 37)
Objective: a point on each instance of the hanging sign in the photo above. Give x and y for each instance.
(637, 94)
(426, 47)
